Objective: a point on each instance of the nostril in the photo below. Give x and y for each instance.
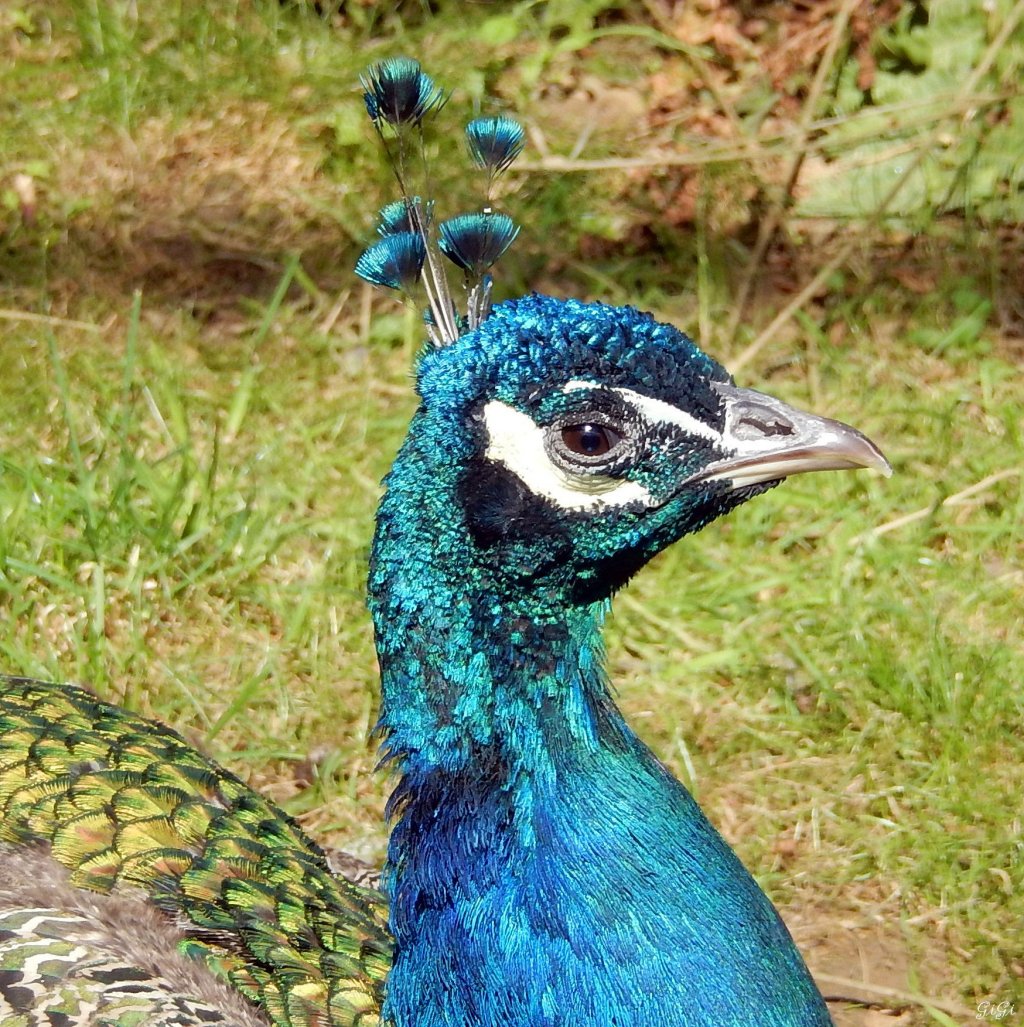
(750, 427)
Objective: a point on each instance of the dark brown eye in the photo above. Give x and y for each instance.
(589, 439)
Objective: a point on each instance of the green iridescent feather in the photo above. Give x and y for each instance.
(125, 803)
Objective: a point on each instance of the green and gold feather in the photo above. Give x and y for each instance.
(128, 807)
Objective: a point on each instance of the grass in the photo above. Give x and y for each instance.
(200, 403)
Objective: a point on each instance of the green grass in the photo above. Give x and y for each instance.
(197, 413)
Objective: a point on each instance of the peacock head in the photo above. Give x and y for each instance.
(574, 440)
(586, 437)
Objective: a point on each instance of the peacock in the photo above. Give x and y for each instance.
(543, 867)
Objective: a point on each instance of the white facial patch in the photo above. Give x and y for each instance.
(655, 411)
(515, 441)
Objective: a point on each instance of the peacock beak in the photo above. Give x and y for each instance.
(770, 440)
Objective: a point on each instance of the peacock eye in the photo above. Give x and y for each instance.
(589, 439)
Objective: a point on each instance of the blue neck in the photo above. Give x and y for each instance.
(544, 868)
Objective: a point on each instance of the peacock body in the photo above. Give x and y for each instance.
(544, 869)
(539, 848)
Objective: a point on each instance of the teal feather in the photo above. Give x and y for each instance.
(394, 262)
(494, 143)
(476, 242)
(402, 216)
(399, 93)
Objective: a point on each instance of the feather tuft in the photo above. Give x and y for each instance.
(494, 143)
(474, 242)
(404, 216)
(394, 262)
(399, 96)
(398, 91)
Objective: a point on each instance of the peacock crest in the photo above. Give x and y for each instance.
(411, 254)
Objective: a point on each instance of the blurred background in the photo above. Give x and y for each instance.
(199, 399)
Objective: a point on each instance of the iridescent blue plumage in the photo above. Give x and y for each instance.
(394, 262)
(494, 143)
(397, 91)
(404, 216)
(544, 868)
(475, 242)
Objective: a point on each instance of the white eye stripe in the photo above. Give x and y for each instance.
(656, 411)
(515, 441)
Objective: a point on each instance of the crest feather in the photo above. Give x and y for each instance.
(400, 99)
